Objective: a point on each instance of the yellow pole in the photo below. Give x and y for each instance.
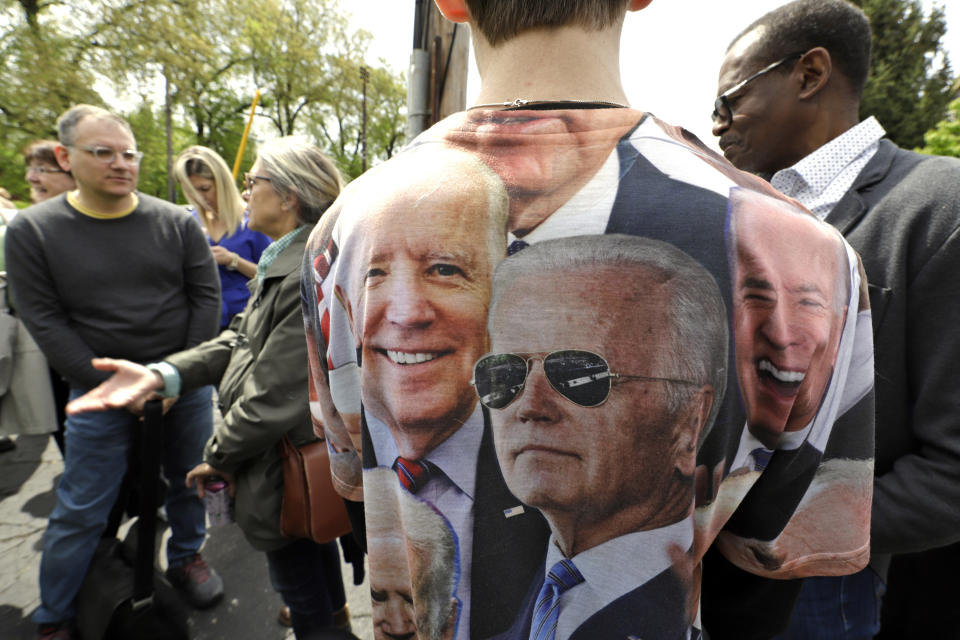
(246, 134)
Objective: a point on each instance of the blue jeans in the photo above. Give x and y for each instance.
(307, 577)
(98, 445)
(837, 608)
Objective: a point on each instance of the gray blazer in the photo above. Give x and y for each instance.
(902, 215)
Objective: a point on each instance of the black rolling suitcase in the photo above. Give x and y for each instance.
(123, 596)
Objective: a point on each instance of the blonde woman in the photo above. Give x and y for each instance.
(208, 185)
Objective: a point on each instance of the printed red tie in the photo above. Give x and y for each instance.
(413, 474)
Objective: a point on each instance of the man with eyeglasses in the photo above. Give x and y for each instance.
(106, 271)
(598, 414)
(796, 122)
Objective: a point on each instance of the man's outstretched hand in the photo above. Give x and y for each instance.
(130, 386)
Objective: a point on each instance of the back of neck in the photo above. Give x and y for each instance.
(566, 63)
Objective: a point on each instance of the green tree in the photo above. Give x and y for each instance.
(289, 43)
(43, 71)
(944, 139)
(186, 47)
(188, 44)
(338, 123)
(212, 55)
(910, 76)
(149, 129)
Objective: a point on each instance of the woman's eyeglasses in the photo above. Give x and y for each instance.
(249, 180)
(41, 170)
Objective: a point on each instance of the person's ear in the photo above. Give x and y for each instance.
(637, 5)
(455, 10)
(62, 156)
(289, 202)
(816, 68)
(687, 435)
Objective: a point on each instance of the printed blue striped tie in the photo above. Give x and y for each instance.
(515, 246)
(761, 457)
(546, 611)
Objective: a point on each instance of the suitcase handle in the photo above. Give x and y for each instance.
(151, 443)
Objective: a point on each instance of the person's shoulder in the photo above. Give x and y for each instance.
(23, 218)
(164, 213)
(905, 159)
(290, 259)
(153, 204)
(934, 164)
(924, 176)
(40, 214)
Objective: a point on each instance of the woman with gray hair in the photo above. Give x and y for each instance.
(260, 364)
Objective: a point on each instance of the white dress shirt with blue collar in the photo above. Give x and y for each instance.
(615, 568)
(820, 179)
(451, 492)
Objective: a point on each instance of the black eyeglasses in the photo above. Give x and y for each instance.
(106, 155)
(722, 111)
(582, 377)
(39, 169)
(249, 180)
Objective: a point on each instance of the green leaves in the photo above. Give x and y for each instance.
(944, 138)
(909, 84)
(214, 54)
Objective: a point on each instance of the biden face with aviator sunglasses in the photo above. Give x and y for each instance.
(599, 390)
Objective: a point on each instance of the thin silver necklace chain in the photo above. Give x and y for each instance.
(519, 103)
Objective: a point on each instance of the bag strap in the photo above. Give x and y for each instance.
(151, 441)
(4, 306)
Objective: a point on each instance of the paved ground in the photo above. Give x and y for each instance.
(28, 478)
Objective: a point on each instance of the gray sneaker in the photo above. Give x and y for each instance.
(201, 585)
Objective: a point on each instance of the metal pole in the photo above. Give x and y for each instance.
(364, 74)
(171, 188)
(418, 89)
